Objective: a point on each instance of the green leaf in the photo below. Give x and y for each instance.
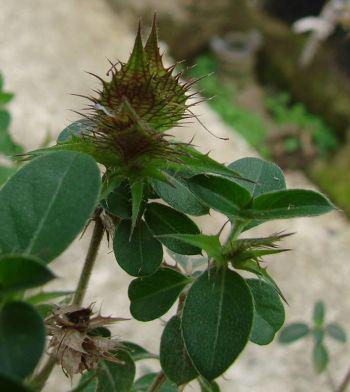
(21, 273)
(116, 377)
(291, 203)
(220, 194)
(9, 384)
(336, 332)
(81, 145)
(76, 128)
(118, 202)
(46, 296)
(137, 189)
(142, 254)
(217, 320)
(320, 358)
(194, 162)
(7, 145)
(153, 296)
(5, 120)
(137, 352)
(319, 313)
(208, 386)
(177, 194)
(44, 309)
(268, 312)
(5, 173)
(265, 176)
(254, 267)
(45, 205)
(162, 219)
(293, 332)
(87, 383)
(209, 243)
(5, 98)
(100, 331)
(174, 359)
(143, 383)
(188, 263)
(22, 339)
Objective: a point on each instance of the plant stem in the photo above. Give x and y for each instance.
(95, 242)
(39, 381)
(157, 383)
(345, 383)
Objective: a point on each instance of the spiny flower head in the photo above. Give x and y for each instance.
(130, 113)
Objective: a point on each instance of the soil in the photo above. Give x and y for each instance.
(45, 45)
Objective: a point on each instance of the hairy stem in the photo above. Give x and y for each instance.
(95, 242)
(345, 383)
(157, 383)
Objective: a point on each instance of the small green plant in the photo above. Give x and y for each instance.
(151, 185)
(319, 331)
(284, 112)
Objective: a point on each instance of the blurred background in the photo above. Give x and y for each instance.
(279, 75)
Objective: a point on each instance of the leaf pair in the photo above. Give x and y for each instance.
(139, 252)
(263, 197)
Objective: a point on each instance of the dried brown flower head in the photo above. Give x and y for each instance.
(74, 341)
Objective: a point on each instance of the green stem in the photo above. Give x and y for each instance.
(95, 242)
(39, 381)
(157, 383)
(236, 230)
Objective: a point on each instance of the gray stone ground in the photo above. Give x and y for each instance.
(45, 45)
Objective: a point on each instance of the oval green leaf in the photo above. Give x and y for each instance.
(137, 352)
(178, 195)
(139, 255)
(319, 313)
(268, 312)
(22, 339)
(336, 332)
(153, 296)
(217, 320)
(116, 377)
(162, 219)
(220, 194)
(174, 359)
(293, 332)
(291, 203)
(320, 358)
(45, 205)
(118, 202)
(264, 176)
(21, 273)
(76, 128)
